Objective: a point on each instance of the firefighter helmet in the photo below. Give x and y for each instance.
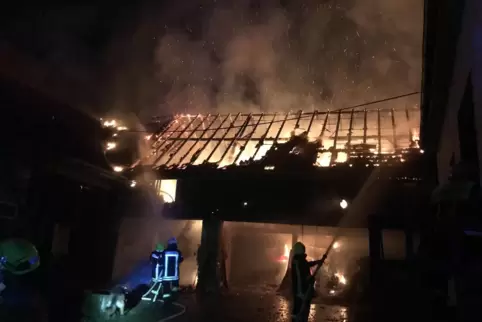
(172, 241)
(160, 247)
(18, 256)
(299, 248)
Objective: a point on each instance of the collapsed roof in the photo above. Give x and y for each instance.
(323, 139)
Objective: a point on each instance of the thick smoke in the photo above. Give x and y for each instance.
(298, 55)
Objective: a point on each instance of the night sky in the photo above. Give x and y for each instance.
(202, 55)
(68, 43)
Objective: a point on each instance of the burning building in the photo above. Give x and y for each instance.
(311, 160)
(302, 169)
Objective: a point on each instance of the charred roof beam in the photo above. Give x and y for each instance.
(231, 126)
(182, 133)
(200, 137)
(237, 136)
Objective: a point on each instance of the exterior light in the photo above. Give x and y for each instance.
(118, 168)
(245, 203)
(343, 204)
(133, 184)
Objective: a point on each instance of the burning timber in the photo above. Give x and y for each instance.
(380, 137)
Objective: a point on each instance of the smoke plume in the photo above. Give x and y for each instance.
(268, 56)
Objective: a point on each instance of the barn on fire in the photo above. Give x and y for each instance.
(290, 167)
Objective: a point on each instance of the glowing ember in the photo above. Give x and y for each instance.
(110, 123)
(324, 159)
(111, 145)
(343, 204)
(114, 124)
(118, 168)
(341, 278)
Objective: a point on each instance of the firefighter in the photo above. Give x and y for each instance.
(302, 281)
(173, 259)
(157, 262)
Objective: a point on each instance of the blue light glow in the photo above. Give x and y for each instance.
(33, 260)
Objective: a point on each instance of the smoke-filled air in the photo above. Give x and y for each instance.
(299, 55)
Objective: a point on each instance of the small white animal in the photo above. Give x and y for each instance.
(113, 302)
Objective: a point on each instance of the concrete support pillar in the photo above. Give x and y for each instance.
(409, 249)
(375, 244)
(209, 279)
(227, 242)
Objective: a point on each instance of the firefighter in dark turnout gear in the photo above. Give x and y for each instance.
(157, 262)
(301, 281)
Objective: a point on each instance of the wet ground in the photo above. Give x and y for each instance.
(258, 304)
(151, 312)
(263, 303)
(235, 306)
(249, 306)
(403, 300)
